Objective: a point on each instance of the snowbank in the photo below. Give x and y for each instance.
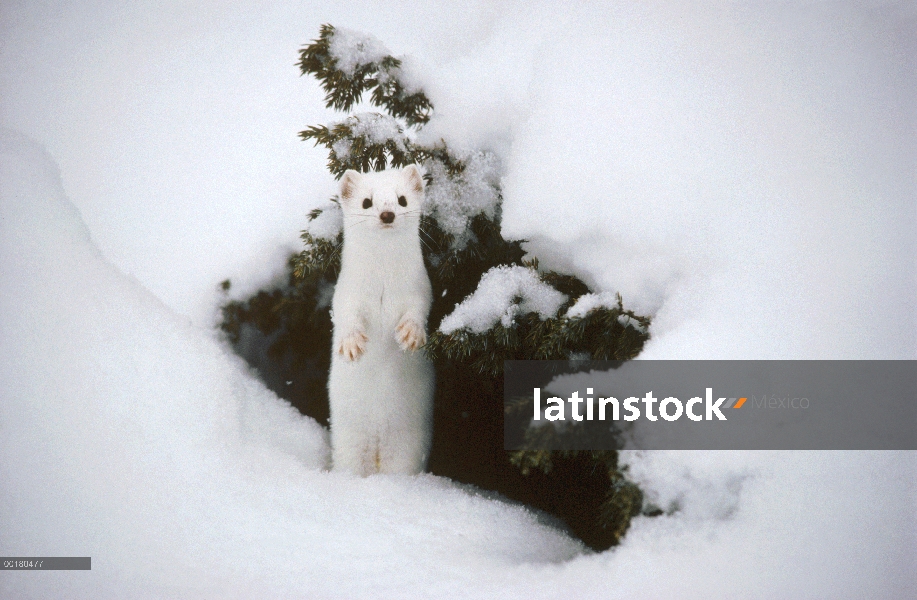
(131, 436)
(746, 175)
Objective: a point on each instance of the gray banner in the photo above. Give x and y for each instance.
(711, 405)
(46, 563)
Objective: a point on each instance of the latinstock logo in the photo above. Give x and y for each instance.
(682, 405)
(670, 407)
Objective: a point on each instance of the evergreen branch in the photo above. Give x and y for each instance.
(390, 93)
(364, 142)
(343, 90)
(319, 257)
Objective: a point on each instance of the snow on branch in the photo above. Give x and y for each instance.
(326, 222)
(453, 200)
(503, 293)
(364, 142)
(354, 50)
(347, 63)
(590, 303)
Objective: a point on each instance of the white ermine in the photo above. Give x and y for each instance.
(381, 384)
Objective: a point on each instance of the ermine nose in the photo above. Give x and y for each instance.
(387, 217)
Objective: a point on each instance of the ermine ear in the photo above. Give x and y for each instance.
(413, 177)
(349, 183)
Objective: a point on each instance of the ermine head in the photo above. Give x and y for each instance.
(387, 200)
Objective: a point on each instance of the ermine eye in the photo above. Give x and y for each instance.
(367, 203)
(402, 201)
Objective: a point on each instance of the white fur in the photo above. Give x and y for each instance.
(381, 384)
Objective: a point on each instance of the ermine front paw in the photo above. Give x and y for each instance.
(353, 345)
(410, 335)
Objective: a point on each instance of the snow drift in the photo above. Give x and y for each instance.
(131, 436)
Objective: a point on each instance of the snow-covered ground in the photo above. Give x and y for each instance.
(745, 174)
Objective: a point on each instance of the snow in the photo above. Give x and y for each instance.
(589, 302)
(377, 128)
(133, 437)
(354, 49)
(455, 200)
(743, 173)
(628, 321)
(503, 293)
(732, 173)
(328, 224)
